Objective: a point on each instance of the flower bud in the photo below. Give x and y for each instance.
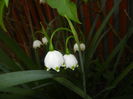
(82, 46)
(37, 44)
(45, 40)
(76, 48)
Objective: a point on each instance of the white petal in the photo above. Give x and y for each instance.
(54, 59)
(70, 61)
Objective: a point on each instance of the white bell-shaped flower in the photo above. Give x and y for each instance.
(76, 48)
(45, 40)
(70, 61)
(37, 44)
(54, 60)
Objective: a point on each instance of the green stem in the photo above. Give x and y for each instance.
(80, 54)
(51, 38)
(44, 32)
(37, 58)
(66, 45)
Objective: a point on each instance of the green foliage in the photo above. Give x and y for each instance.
(20, 91)
(6, 60)
(64, 8)
(18, 82)
(16, 78)
(2, 5)
(96, 37)
(72, 87)
(13, 46)
(6, 2)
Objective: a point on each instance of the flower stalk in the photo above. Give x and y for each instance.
(66, 44)
(80, 54)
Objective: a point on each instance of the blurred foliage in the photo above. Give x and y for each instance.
(21, 77)
(3, 3)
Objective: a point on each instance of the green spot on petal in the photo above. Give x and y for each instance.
(57, 69)
(48, 69)
(73, 67)
(64, 65)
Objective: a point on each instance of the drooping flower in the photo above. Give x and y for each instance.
(54, 60)
(45, 40)
(76, 48)
(70, 61)
(37, 44)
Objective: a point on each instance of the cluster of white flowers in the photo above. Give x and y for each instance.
(54, 60)
(38, 43)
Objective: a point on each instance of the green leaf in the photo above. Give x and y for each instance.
(6, 60)
(6, 2)
(12, 96)
(4, 68)
(72, 87)
(2, 5)
(17, 90)
(21, 77)
(16, 78)
(17, 50)
(130, 96)
(123, 74)
(119, 48)
(92, 47)
(65, 8)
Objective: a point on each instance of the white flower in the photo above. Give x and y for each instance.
(82, 46)
(76, 48)
(70, 61)
(45, 40)
(42, 1)
(54, 60)
(37, 44)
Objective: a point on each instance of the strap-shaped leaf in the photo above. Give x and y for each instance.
(2, 5)
(92, 48)
(11, 44)
(6, 2)
(72, 87)
(64, 8)
(16, 78)
(6, 60)
(21, 77)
